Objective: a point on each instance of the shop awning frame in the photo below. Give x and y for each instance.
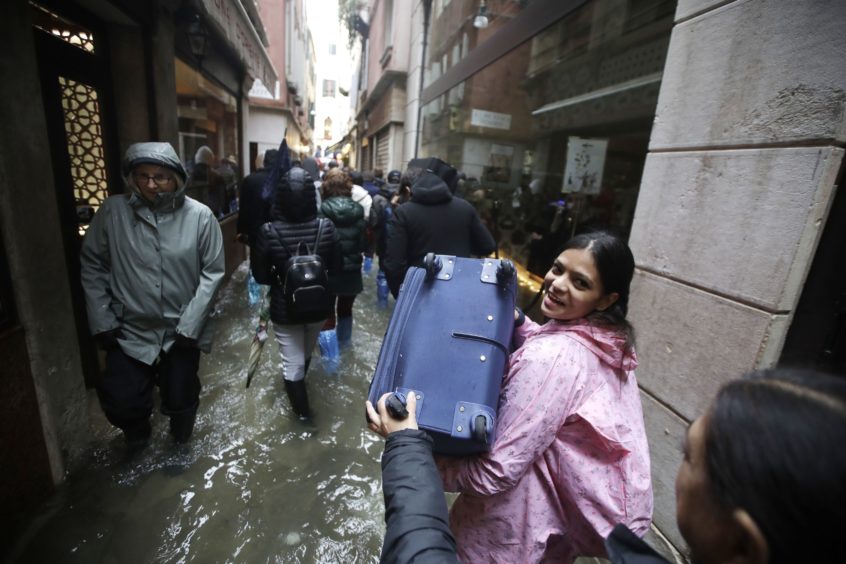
(230, 20)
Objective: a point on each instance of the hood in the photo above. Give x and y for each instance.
(430, 189)
(310, 165)
(161, 154)
(343, 211)
(204, 155)
(606, 343)
(296, 197)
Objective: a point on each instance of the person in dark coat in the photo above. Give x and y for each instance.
(253, 210)
(348, 217)
(416, 517)
(432, 221)
(294, 220)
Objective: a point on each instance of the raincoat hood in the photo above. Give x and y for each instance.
(161, 154)
(606, 343)
(430, 189)
(296, 197)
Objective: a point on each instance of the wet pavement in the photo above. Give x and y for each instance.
(254, 484)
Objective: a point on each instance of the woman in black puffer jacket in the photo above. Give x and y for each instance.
(348, 217)
(294, 219)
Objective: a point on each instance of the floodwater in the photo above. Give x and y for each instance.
(254, 484)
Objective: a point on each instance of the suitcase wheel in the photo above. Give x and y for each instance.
(505, 272)
(480, 429)
(432, 263)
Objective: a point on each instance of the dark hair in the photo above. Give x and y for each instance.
(774, 446)
(356, 177)
(336, 183)
(377, 172)
(615, 264)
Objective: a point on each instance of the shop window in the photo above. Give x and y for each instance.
(208, 138)
(552, 136)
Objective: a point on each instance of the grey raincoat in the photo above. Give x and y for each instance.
(152, 269)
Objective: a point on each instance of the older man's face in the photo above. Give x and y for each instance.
(152, 179)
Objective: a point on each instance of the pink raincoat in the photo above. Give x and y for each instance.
(570, 459)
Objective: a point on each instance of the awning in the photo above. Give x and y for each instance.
(230, 20)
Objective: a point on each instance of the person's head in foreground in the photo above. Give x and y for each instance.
(763, 478)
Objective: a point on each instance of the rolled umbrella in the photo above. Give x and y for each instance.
(258, 340)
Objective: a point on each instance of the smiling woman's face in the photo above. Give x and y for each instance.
(573, 287)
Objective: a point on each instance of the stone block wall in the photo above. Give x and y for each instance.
(745, 150)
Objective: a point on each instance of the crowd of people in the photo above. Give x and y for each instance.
(762, 478)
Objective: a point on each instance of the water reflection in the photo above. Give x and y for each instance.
(254, 484)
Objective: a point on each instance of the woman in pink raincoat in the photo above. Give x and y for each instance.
(571, 459)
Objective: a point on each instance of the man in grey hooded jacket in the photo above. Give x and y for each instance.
(152, 261)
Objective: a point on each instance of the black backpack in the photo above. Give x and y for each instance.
(305, 283)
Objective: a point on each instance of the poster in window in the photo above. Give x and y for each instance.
(585, 161)
(498, 168)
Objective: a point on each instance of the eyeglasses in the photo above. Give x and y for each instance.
(159, 179)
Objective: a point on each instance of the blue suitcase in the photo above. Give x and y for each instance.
(448, 341)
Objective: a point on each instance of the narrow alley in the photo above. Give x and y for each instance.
(253, 485)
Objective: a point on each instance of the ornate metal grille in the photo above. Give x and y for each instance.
(64, 29)
(84, 133)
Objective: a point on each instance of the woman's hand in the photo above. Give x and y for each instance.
(383, 424)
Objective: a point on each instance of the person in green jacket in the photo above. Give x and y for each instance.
(349, 220)
(152, 261)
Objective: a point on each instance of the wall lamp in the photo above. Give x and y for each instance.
(481, 19)
(198, 37)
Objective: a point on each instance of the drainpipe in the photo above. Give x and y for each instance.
(427, 10)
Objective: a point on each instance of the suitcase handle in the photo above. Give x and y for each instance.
(432, 264)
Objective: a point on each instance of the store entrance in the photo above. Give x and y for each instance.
(76, 97)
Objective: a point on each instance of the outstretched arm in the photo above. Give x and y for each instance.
(416, 517)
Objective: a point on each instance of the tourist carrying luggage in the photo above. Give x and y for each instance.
(570, 459)
(295, 230)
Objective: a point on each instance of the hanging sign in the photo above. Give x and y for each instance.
(585, 162)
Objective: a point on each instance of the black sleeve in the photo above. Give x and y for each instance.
(259, 255)
(396, 250)
(481, 241)
(416, 514)
(625, 547)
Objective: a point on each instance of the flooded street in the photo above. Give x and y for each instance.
(253, 485)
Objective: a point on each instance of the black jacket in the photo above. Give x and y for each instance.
(624, 547)
(253, 210)
(433, 221)
(416, 518)
(294, 220)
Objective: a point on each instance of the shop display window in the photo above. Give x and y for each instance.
(208, 139)
(552, 136)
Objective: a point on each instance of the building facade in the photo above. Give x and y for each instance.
(382, 98)
(84, 80)
(286, 109)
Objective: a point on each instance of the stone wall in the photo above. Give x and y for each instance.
(738, 183)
